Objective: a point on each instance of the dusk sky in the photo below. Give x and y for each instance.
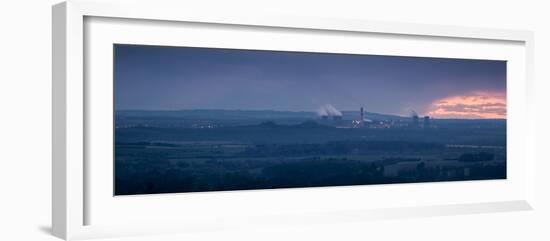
(175, 78)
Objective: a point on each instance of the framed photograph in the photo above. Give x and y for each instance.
(174, 120)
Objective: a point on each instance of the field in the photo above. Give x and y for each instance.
(195, 151)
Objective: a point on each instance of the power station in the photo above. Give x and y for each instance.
(332, 116)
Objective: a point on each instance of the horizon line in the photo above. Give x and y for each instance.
(305, 111)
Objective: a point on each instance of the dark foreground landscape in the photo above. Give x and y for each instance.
(218, 150)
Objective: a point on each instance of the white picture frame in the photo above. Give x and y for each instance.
(74, 188)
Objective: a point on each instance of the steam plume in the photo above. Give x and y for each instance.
(328, 110)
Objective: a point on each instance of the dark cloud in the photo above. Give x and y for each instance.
(148, 77)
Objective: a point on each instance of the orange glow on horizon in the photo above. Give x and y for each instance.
(478, 105)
